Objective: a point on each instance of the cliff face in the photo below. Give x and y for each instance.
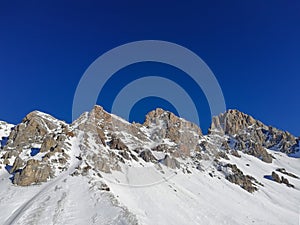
(37, 149)
(252, 136)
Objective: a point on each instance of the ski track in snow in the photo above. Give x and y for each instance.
(19, 212)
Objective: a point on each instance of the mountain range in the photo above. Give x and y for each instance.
(101, 169)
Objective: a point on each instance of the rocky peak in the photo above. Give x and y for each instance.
(251, 135)
(107, 140)
(107, 125)
(166, 125)
(33, 129)
(233, 122)
(39, 137)
(169, 120)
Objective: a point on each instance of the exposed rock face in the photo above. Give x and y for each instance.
(222, 155)
(276, 177)
(147, 156)
(252, 136)
(283, 171)
(233, 121)
(117, 143)
(49, 143)
(34, 172)
(258, 151)
(18, 163)
(235, 153)
(109, 146)
(32, 130)
(281, 180)
(43, 133)
(236, 176)
(165, 124)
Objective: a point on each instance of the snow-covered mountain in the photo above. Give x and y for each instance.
(102, 169)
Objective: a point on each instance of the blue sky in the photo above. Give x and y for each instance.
(252, 47)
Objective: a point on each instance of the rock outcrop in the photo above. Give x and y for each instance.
(34, 146)
(34, 172)
(166, 125)
(147, 156)
(283, 171)
(281, 180)
(236, 176)
(252, 136)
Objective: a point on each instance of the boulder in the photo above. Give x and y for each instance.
(276, 177)
(147, 156)
(236, 176)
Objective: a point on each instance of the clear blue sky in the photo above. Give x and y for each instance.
(253, 48)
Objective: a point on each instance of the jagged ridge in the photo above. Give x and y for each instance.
(109, 153)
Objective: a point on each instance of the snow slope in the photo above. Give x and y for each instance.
(68, 200)
(195, 198)
(198, 198)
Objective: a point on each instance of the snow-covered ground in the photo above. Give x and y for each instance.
(66, 200)
(183, 198)
(197, 198)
